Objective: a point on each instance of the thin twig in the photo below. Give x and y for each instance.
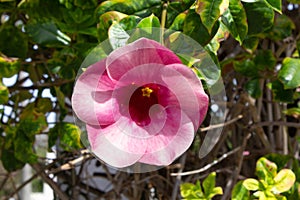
(61, 195)
(206, 167)
(222, 124)
(276, 123)
(178, 178)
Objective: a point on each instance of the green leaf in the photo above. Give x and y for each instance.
(61, 102)
(275, 4)
(279, 93)
(284, 181)
(9, 66)
(47, 33)
(193, 55)
(251, 184)
(210, 11)
(279, 159)
(282, 28)
(148, 22)
(148, 27)
(192, 191)
(289, 73)
(9, 161)
(266, 170)
(23, 148)
(117, 35)
(130, 22)
(13, 42)
(106, 21)
(250, 44)
(20, 96)
(234, 18)
(128, 6)
(209, 183)
(246, 67)
(69, 135)
(4, 94)
(253, 88)
(295, 112)
(178, 22)
(43, 105)
(265, 60)
(239, 192)
(260, 17)
(194, 28)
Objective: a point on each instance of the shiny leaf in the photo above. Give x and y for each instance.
(47, 33)
(210, 11)
(117, 35)
(128, 7)
(289, 73)
(235, 20)
(253, 88)
(194, 28)
(275, 4)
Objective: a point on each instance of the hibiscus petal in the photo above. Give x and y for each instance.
(115, 144)
(142, 51)
(196, 86)
(174, 139)
(183, 90)
(86, 107)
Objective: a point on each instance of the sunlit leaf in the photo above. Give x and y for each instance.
(117, 35)
(251, 184)
(210, 11)
(235, 20)
(209, 183)
(275, 4)
(239, 192)
(194, 28)
(9, 67)
(280, 159)
(266, 170)
(47, 33)
(128, 7)
(289, 73)
(68, 135)
(106, 21)
(4, 94)
(284, 180)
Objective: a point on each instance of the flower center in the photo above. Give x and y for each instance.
(140, 102)
(146, 91)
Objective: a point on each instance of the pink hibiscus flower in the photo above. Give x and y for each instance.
(140, 104)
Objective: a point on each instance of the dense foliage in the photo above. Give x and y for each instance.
(254, 43)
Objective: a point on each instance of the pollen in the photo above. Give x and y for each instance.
(146, 92)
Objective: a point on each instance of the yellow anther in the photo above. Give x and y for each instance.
(147, 91)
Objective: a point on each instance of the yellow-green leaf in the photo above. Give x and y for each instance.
(284, 180)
